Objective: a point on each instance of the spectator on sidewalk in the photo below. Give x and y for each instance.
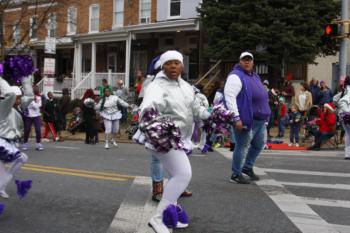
(247, 98)
(282, 113)
(303, 99)
(138, 86)
(326, 122)
(315, 91)
(122, 92)
(63, 108)
(273, 103)
(90, 117)
(294, 122)
(32, 115)
(288, 93)
(50, 118)
(326, 95)
(105, 86)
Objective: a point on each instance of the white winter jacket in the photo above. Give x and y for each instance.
(176, 99)
(344, 102)
(110, 109)
(11, 122)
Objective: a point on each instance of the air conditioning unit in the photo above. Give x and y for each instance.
(145, 20)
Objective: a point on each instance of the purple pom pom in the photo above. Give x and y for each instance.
(161, 132)
(183, 218)
(170, 217)
(345, 117)
(15, 68)
(1, 68)
(220, 120)
(2, 207)
(23, 187)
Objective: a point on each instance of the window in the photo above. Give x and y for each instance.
(33, 27)
(145, 11)
(175, 8)
(16, 33)
(72, 20)
(94, 18)
(118, 13)
(51, 25)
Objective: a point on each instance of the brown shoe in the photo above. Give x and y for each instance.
(157, 191)
(186, 193)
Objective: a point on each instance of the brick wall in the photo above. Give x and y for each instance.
(131, 16)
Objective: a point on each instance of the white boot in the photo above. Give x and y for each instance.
(156, 221)
(106, 139)
(5, 179)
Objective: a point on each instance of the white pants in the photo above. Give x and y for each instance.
(6, 175)
(347, 140)
(111, 126)
(178, 165)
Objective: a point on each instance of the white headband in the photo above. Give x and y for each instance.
(169, 56)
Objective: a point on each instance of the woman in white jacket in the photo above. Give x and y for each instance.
(11, 125)
(173, 97)
(343, 103)
(109, 111)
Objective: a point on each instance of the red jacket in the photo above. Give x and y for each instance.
(283, 110)
(327, 122)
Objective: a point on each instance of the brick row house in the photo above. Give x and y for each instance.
(109, 39)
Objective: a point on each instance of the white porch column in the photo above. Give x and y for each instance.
(127, 60)
(78, 50)
(93, 65)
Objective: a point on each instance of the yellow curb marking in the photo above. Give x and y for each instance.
(79, 173)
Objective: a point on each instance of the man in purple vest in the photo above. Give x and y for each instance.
(246, 96)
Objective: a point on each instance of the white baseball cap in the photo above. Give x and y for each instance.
(246, 54)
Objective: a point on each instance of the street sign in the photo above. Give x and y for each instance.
(49, 66)
(48, 85)
(50, 45)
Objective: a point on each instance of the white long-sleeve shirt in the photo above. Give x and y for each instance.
(232, 89)
(34, 107)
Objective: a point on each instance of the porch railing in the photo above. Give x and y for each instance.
(57, 86)
(94, 80)
(80, 88)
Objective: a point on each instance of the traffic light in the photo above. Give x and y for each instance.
(331, 30)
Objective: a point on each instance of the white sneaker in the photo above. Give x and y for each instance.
(290, 144)
(39, 147)
(46, 140)
(115, 144)
(25, 146)
(297, 144)
(57, 139)
(157, 224)
(106, 146)
(3, 194)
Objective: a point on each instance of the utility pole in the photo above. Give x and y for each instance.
(344, 43)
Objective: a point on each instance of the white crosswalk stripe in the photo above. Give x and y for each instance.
(296, 207)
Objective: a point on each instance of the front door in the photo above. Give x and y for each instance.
(112, 62)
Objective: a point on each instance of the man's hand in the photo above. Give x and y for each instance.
(239, 126)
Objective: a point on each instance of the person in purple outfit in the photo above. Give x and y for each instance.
(246, 96)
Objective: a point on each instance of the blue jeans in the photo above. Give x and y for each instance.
(281, 126)
(249, 144)
(157, 172)
(294, 133)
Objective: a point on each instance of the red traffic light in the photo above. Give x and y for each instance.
(331, 30)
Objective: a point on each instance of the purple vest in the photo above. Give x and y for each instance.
(252, 101)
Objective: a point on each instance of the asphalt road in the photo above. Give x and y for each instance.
(84, 188)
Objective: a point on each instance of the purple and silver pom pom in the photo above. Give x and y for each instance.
(161, 132)
(2, 207)
(170, 216)
(182, 215)
(345, 117)
(15, 68)
(23, 187)
(220, 120)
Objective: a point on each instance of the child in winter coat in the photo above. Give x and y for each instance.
(282, 112)
(294, 122)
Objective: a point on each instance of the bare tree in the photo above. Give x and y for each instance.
(41, 9)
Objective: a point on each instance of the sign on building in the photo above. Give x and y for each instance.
(50, 45)
(49, 66)
(48, 85)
